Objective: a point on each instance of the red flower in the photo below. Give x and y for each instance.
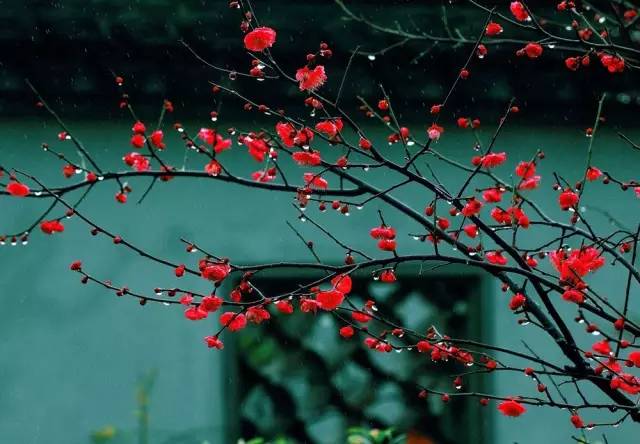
(68, 170)
(526, 170)
(492, 195)
(496, 257)
(284, 307)
(572, 63)
(568, 199)
(139, 128)
(577, 421)
(387, 244)
(157, 139)
(519, 12)
(309, 305)
(471, 208)
(17, 189)
(577, 264)
(311, 80)
(76, 266)
(233, 321)
(533, 50)
(330, 300)
(627, 383)
(330, 127)
(307, 158)
(365, 144)
(511, 408)
(463, 122)
(443, 223)
(121, 198)
(214, 342)
(634, 357)
(602, 347)
(493, 29)
(471, 230)
(342, 283)
(530, 184)
(573, 295)
(360, 316)
(137, 161)
(517, 301)
(257, 315)
(388, 276)
(593, 173)
(492, 160)
(260, 39)
(434, 131)
(187, 299)
(612, 63)
(347, 332)
(214, 271)
(137, 140)
(213, 168)
(383, 233)
(211, 137)
(51, 226)
(314, 180)
(195, 314)
(210, 303)
(258, 148)
(291, 137)
(264, 176)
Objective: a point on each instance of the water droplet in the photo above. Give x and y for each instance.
(78, 170)
(359, 207)
(100, 177)
(551, 45)
(602, 19)
(166, 304)
(365, 169)
(347, 214)
(260, 79)
(303, 219)
(596, 333)
(410, 143)
(214, 119)
(233, 75)
(37, 193)
(25, 242)
(371, 57)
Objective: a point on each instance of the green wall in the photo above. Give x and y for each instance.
(72, 354)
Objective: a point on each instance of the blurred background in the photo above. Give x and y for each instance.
(79, 366)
